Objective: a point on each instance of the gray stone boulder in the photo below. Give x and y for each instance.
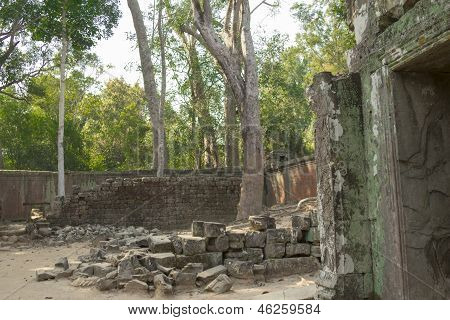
(105, 284)
(218, 244)
(220, 285)
(274, 250)
(62, 263)
(213, 229)
(208, 275)
(298, 249)
(255, 239)
(136, 286)
(160, 244)
(240, 269)
(261, 223)
(44, 275)
(193, 245)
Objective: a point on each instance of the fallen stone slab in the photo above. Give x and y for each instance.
(192, 268)
(160, 244)
(101, 269)
(276, 268)
(62, 263)
(105, 284)
(298, 249)
(136, 286)
(64, 273)
(218, 244)
(208, 275)
(255, 239)
(221, 284)
(213, 229)
(207, 259)
(167, 259)
(240, 269)
(278, 236)
(43, 275)
(193, 245)
(274, 250)
(261, 223)
(301, 222)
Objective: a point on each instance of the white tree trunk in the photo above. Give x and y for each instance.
(151, 92)
(61, 108)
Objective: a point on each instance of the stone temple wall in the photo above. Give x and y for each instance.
(168, 203)
(394, 107)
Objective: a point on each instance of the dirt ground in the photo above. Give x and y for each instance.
(18, 281)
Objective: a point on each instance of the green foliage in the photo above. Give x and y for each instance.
(285, 114)
(325, 37)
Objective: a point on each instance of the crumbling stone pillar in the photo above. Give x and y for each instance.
(344, 225)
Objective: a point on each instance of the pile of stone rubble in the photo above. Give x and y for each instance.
(139, 260)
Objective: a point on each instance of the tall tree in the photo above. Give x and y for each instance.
(79, 23)
(241, 73)
(154, 100)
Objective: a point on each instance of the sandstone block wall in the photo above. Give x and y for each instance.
(167, 203)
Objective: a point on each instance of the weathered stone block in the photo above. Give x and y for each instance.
(240, 269)
(314, 218)
(259, 272)
(255, 255)
(289, 266)
(197, 229)
(184, 279)
(221, 284)
(274, 250)
(162, 285)
(210, 274)
(236, 255)
(192, 268)
(193, 245)
(136, 286)
(220, 243)
(296, 235)
(255, 239)
(236, 239)
(312, 235)
(298, 249)
(159, 244)
(315, 251)
(261, 223)
(278, 236)
(301, 222)
(208, 259)
(213, 230)
(167, 259)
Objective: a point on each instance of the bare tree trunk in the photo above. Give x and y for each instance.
(162, 150)
(231, 130)
(1, 158)
(151, 93)
(245, 90)
(61, 107)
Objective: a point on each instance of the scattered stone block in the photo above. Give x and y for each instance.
(315, 251)
(213, 229)
(218, 244)
(184, 279)
(236, 255)
(208, 260)
(140, 242)
(105, 284)
(162, 284)
(278, 236)
(220, 285)
(255, 239)
(193, 245)
(208, 275)
(298, 249)
(62, 263)
(101, 269)
(261, 223)
(274, 250)
(177, 244)
(236, 239)
(44, 275)
(167, 259)
(276, 268)
(301, 222)
(192, 268)
(259, 272)
(160, 244)
(136, 286)
(197, 229)
(255, 255)
(312, 236)
(64, 273)
(240, 269)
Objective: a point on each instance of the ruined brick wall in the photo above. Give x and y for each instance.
(167, 203)
(291, 182)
